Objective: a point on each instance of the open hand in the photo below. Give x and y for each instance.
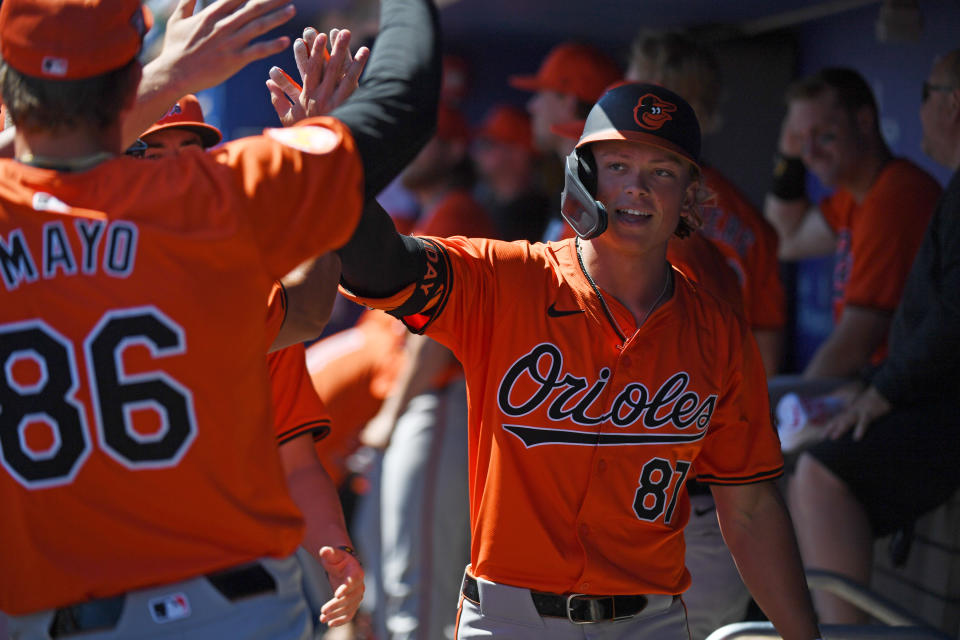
(859, 414)
(328, 79)
(346, 580)
(205, 48)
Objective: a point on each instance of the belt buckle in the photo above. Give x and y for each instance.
(586, 598)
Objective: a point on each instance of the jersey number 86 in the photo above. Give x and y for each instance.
(115, 396)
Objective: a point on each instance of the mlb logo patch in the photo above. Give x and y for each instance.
(52, 66)
(168, 608)
(47, 202)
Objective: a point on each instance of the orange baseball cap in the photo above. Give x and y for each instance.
(508, 124)
(451, 125)
(187, 114)
(574, 68)
(71, 39)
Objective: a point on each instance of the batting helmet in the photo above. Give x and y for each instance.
(635, 112)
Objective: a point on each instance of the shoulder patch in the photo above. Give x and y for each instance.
(309, 139)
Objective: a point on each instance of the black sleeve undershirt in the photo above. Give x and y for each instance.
(392, 114)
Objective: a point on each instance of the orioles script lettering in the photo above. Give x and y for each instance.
(574, 398)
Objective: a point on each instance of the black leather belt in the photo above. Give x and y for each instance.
(103, 614)
(575, 607)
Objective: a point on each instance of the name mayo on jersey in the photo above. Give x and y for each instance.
(66, 249)
(532, 380)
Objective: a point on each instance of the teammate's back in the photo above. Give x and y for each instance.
(132, 289)
(126, 305)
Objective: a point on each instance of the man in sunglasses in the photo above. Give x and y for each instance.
(892, 452)
(872, 222)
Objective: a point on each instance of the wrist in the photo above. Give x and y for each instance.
(348, 549)
(789, 177)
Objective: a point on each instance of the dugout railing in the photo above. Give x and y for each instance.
(893, 621)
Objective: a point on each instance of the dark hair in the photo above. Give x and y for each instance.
(850, 88)
(38, 104)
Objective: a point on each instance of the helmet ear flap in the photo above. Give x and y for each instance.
(587, 169)
(578, 203)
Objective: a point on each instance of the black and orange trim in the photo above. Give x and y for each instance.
(319, 429)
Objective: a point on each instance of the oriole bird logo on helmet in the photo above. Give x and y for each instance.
(652, 112)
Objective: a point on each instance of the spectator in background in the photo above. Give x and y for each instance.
(873, 222)
(900, 459)
(735, 226)
(505, 158)
(568, 82)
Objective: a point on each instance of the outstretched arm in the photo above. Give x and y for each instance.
(313, 492)
(392, 114)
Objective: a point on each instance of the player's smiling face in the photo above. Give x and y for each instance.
(645, 190)
(832, 145)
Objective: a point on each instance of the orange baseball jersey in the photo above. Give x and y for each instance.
(131, 291)
(297, 409)
(583, 429)
(877, 239)
(750, 244)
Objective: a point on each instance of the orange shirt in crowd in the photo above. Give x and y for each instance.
(877, 239)
(749, 243)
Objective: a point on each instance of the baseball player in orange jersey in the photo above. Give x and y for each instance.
(117, 277)
(298, 413)
(578, 454)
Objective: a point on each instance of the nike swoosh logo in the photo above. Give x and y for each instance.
(553, 312)
(703, 512)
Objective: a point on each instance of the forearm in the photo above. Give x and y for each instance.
(763, 545)
(836, 358)
(311, 290)
(159, 89)
(392, 114)
(377, 261)
(786, 217)
(314, 494)
(857, 335)
(426, 359)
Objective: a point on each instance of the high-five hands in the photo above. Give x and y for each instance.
(326, 78)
